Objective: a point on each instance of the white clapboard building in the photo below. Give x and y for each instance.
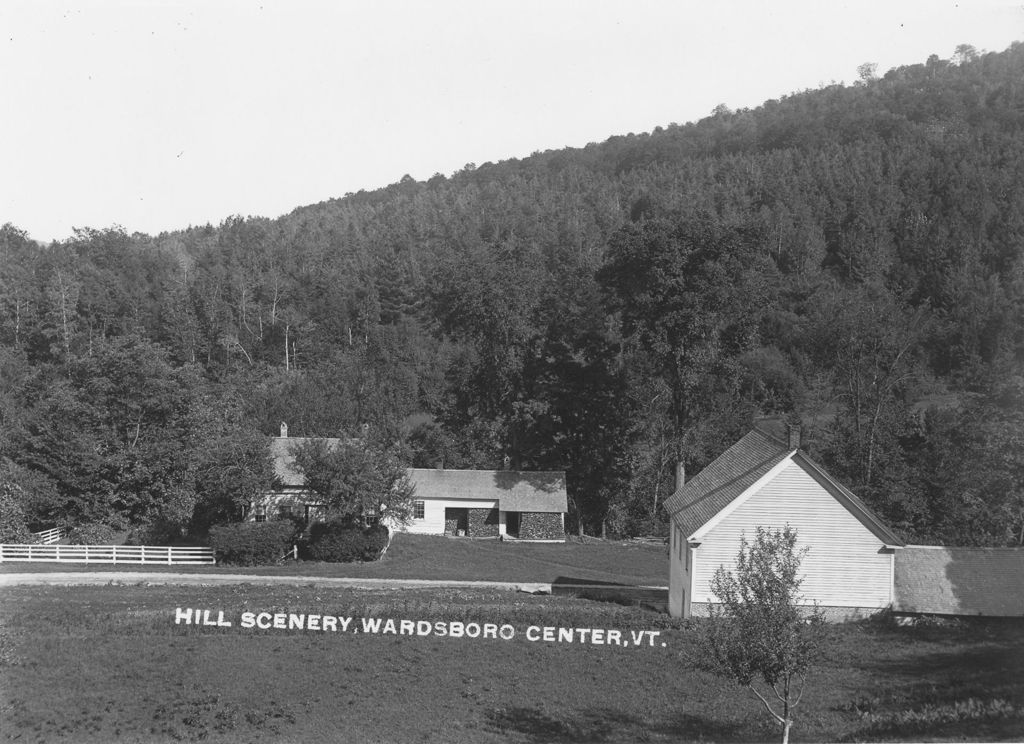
(515, 504)
(766, 481)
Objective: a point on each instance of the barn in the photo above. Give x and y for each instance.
(768, 481)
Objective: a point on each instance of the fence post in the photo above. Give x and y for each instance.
(168, 556)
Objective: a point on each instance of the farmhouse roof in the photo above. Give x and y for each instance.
(514, 490)
(960, 581)
(282, 449)
(735, 471)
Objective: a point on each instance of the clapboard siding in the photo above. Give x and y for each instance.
(845, 564)
(433, 514)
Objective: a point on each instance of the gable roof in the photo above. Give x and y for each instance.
(282, 449)
(852, 502)
(514, 490)
(724, 479)
(733, 473)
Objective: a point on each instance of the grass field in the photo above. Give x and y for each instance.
(427, 557)
(108, 663)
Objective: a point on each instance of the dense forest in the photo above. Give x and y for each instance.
(847, 258)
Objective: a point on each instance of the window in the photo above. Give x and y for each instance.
(261, 513)
(418, 510)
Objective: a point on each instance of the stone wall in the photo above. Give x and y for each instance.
(483, 523)
(541, 526)
(832, 614)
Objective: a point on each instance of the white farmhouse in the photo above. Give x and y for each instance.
(763, 481)
(524, 505)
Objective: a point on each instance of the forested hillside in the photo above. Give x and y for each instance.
(848, 258)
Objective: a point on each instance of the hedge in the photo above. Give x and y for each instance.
(344, 542)
(92, 533)
(252, 543)
(12, 518)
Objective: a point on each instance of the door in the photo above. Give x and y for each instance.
(456, 521)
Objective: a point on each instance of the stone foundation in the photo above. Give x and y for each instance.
(832, 614)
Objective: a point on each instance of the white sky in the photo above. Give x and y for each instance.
(163, 114)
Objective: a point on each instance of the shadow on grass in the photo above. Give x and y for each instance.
(971, 687)
(601, 725)
(607, 591)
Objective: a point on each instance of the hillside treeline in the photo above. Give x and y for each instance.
(848, 259)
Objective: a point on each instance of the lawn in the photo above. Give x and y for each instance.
(429, 557)
(108, 664)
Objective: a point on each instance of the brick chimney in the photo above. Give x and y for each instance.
(284, 430)
(794, 436)
(680, 474)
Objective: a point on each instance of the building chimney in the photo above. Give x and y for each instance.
(794, 436)
(680, 474)
(439, 464)
(284, 430)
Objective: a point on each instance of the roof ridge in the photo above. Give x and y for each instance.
(778, 440)
(489, 470)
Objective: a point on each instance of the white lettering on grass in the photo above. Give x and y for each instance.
(591, 636)
(292, 621)
(200, 617)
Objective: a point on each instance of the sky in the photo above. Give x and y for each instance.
(154, 116)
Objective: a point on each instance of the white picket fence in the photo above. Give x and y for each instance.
(107, 554)
(48, 537)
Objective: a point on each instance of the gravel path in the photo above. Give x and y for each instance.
(135, 578)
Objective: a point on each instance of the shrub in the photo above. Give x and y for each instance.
(252, 543)
(92, 534)
(12, 519)
(344, 542)
(157, 532)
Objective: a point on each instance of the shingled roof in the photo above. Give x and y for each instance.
(282, 449)
(960, 581)
(514, 490)
(733, 472)
(724, 479)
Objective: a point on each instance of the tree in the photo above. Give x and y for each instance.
(356, 480)
(231, 460)
(964, 53)
(762, 637)
(866, 72)
(13, 527)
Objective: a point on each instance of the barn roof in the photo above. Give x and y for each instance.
(732, 474)
(514, 490)
(960, 581)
